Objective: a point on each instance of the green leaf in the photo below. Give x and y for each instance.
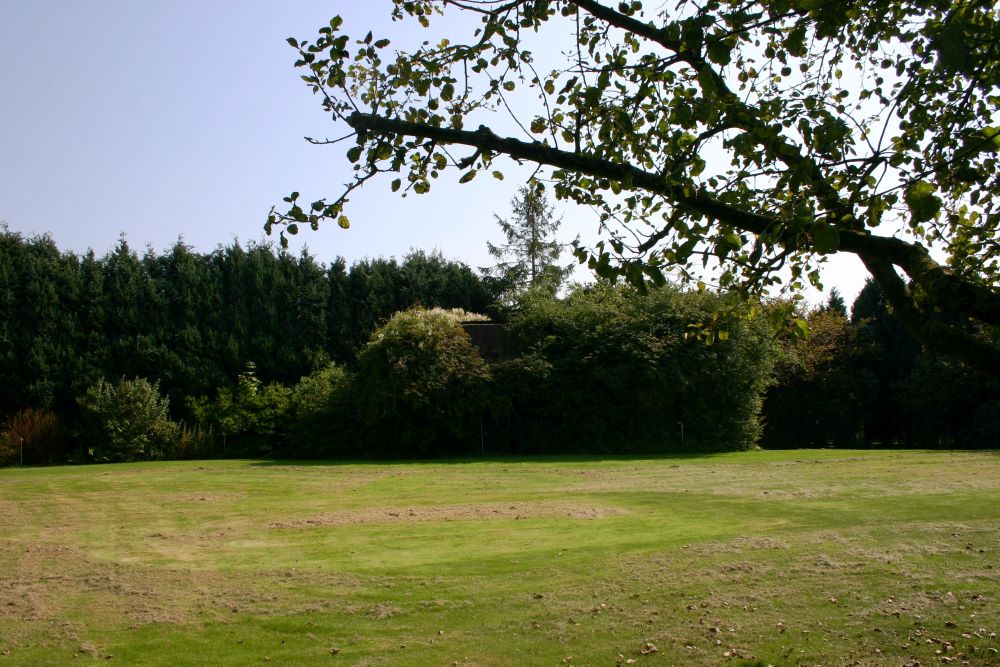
(354, 154)
(826, 238)
(801, 329)
(719, 52)
(343, 222)
(923, 203)
(795, 41)
(953, 49)
(468, 176)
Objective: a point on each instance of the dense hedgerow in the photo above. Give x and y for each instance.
(321, 415)
(608, 369)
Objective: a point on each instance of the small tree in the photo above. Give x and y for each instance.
(126, 421)
(320, 414)
(253, 412)
(529, 258)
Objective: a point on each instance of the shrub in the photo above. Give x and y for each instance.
(320, 414)
(609, 369)
(250, 417)
(35, 432)
(421, 387)
(192, 442)
(126, 421)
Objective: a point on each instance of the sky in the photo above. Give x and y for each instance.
(185, 120)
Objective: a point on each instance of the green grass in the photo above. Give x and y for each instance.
(803, 557)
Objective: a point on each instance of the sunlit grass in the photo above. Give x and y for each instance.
(813, 557)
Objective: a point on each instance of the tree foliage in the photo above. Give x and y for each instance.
(528, 260)
(32, 436)
(420, 386)
(127, 420)
(193, 320)
(609, 369)
(252, 413)
(824, 391)
(922, 399)
(321, 419)
(748, 139)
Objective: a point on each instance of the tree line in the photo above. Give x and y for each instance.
(861, 379)
(193, 320)
(252, 351)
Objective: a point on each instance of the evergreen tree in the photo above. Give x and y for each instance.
(891, 357)
(340, 339)
(529, 257)
(835, 303)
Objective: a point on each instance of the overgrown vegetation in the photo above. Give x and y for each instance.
(864, 380)
(421, 387)
(32, 436)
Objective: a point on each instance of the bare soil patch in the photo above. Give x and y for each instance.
(463, 512)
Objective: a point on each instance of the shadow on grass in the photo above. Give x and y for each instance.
(511, 459)
(772, 455)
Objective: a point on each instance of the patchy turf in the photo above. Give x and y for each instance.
(804, 557)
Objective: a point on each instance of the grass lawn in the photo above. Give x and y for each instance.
(803, 557)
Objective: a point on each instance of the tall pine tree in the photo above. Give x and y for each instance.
(529, 258)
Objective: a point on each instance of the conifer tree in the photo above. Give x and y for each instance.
(529, 258)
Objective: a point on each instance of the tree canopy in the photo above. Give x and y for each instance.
(740, 140)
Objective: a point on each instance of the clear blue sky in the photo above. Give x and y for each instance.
(186, 119)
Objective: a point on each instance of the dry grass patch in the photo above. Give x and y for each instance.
(459, 512)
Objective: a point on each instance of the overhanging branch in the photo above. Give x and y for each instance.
(632, 177)
(944, 289)
(932, 334)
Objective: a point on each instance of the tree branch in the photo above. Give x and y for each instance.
(930, 333)
(945, 290)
